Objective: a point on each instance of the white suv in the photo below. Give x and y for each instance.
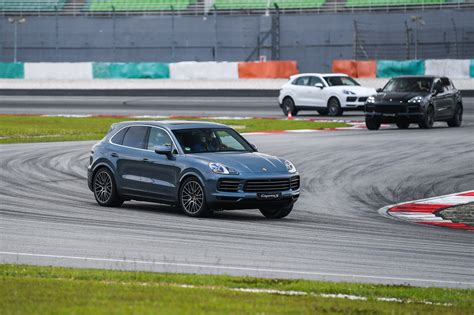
(329, 94)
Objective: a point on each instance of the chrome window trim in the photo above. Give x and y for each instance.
(151, 126)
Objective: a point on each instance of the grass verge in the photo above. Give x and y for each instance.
(21, 128)
(39, 290)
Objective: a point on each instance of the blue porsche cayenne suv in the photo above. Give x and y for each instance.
(199, 166)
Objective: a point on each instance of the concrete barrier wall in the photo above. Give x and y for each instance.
(59, 70)
(204, 70)
(452, 68)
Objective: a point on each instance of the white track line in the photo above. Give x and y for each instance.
(295, 272)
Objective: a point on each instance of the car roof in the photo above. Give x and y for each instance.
(174, 124)
(321, 74)
(415, 77)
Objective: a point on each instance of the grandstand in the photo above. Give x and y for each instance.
(93, 7)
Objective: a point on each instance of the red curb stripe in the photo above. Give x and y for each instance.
(468, 194)
(418, 207)
(450, 225)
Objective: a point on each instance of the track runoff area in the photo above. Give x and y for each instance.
(334, 233)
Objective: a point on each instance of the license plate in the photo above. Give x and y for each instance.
(268, 196)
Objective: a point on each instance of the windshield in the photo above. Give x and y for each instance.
(409, 85)
(336, 81)
(211, 140)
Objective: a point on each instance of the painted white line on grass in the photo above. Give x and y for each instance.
(221, 267)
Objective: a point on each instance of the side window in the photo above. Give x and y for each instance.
(301, 81)
(438, 86)
(118, 137)
(446, 84)
(158, 137)
(314, 80)
(135, 137)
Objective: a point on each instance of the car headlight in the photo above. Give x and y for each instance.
(416, 99)
(219, 168)
(290, 167)
(370, 100)
(347, 92)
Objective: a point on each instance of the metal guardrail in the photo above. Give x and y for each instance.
(204, 8)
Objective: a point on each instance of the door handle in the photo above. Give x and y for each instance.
(114, 155)
(146, 160)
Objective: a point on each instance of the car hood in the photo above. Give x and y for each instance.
(397, 97)
(245, 162)
(358, 90)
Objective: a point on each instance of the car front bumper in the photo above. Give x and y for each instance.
(392, 112)
(241, 196)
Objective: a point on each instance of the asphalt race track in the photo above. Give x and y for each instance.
(49, 217)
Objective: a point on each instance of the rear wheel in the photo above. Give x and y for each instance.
(289, 107)
(334, 107)
(192, 198)
(402, 123)
(276, 213)
(105, 190)
(427, 121)
(372, 123)
(456, 121)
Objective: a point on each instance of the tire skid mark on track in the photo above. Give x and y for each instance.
(45, 207)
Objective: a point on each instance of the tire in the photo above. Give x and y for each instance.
(289, 106)
(402, 123)
(372, 124)
(427, 121)
(456, 121)
(323, 112)
(192, 198)
(334, 107)
(105, 189)
(276, 213)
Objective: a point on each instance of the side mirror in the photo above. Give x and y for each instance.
(379, 90)
(254, 146)
(165, 150)
(319, 85)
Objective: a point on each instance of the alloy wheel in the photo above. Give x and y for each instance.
(192, 197)
(103, 186)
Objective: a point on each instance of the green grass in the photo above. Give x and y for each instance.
(39, 290)
(18, 128)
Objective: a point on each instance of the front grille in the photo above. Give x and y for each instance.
(390, 109)
(228, 185)
(363, 99)
(261, 185)
(351, 99)
(295, 183)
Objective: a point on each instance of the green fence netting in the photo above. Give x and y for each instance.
(393, 68)
(12, 70)
(145, 70)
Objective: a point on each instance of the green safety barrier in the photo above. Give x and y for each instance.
(471, 69)
(145, 70)
(393, 68)
(12, 70)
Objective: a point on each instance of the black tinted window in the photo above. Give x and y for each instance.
(135, 137)
(158, 137)
(118, 138)
(301, 81)
(315, 80)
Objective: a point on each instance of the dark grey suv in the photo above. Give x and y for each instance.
(415, 99)
(200, 167)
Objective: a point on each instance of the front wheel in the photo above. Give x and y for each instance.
(322, 112)
(289, 107)
(276, 213)
(105, 190)
(372, 123)
(427, 121)
(456, 121)
(192, 198)
(334, 107)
